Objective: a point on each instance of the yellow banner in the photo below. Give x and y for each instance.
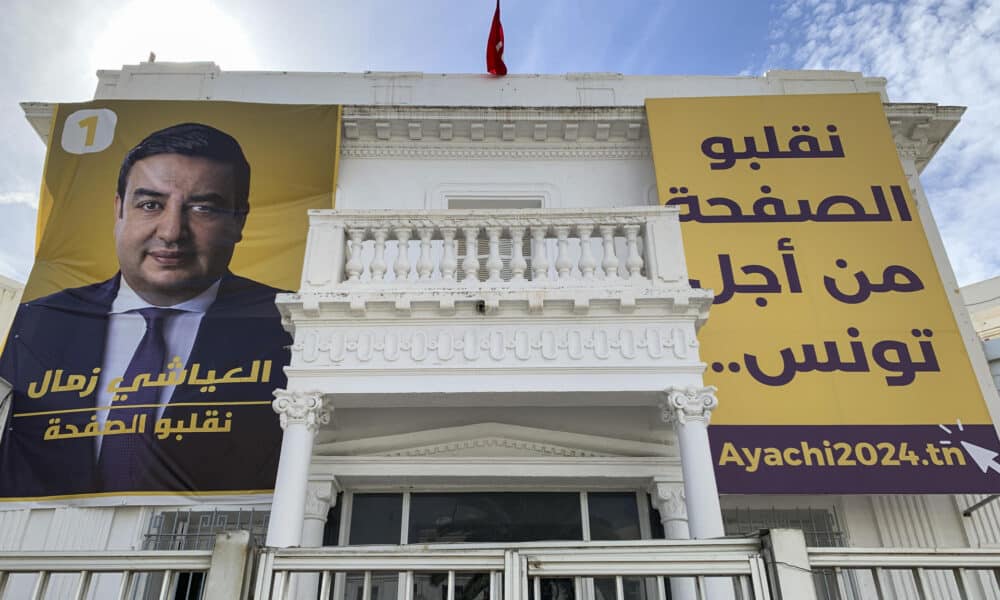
(829, 307)
(145, 354)
(291, 151)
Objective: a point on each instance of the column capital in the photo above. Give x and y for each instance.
(321, 496)
(669, 499)
(690, 404)
(301, 408)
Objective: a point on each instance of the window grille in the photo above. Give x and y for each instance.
(820, 526)
(196, 529)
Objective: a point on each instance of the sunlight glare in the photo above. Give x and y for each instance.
(180, 30)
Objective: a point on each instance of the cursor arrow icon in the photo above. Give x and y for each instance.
(984, 458)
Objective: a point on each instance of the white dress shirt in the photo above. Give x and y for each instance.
(125, 331)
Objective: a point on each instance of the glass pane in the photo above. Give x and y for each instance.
(376, 519)
(494, 517)
(613, 516)
(552, 589)
(633, 588)
(434, 586)
(384, 586)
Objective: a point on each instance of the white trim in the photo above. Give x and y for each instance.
(439, 196)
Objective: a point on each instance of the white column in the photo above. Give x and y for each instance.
(320, 497)
(689, 409)
(301, 414)
(668, 498)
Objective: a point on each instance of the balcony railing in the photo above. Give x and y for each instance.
(516, 302)
(468, 251)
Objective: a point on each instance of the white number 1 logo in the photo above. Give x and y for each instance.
(89, 130)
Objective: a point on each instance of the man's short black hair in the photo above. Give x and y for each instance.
(198, 140)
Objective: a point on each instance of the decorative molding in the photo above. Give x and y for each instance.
(492, 115)
(516, 151)
(528, 447)
(669, 500)
(919, 129)
(320, 497)
(490, 435)
(301, 408)
(691, 404)
(492, 344)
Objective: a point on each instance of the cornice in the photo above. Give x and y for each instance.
(461, 151)
(616, 133)
(919, 129)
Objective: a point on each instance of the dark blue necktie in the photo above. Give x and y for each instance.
(125, 457)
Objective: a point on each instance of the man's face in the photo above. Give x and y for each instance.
(176, 227)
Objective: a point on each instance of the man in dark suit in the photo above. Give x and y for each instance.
(160, 378)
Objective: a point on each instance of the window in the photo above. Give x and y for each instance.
(195, 530)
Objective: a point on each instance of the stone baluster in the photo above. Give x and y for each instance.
(354, 265)
(634, 260)
(539, 256)
(563, 264)
(449, 261)
(402, 266)
(587, 263)
(517, 262)
(425, 265)
(378, 266)
(610, 261)
(493, 263)
(470, 264)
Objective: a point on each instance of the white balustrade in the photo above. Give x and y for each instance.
(488, 249)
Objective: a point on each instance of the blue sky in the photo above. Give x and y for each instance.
(944, 51)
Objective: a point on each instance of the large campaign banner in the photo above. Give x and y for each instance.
(147, 346)
(838, 360)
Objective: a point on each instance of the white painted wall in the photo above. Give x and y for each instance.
(427, 183)
(10, 297)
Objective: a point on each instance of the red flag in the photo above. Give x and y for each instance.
(494, 47)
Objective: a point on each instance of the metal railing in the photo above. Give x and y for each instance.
(911, 573)
(776, 565)
(518, 571)
(124, 568)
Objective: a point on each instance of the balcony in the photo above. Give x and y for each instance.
(497, 305)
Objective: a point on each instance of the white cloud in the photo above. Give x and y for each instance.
(944, 51)
(29, 198)
(18, 248)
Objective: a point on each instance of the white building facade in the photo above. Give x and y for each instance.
(513, 403)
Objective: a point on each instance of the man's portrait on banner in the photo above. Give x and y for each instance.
(159, 378)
